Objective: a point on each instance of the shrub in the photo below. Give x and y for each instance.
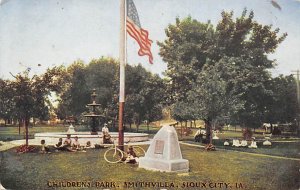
(24, 148)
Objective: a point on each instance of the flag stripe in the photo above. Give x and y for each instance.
(138, 37)
(141, 36)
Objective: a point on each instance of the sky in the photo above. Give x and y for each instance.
(54, 32)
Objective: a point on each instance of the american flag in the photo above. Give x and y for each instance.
(134, 29)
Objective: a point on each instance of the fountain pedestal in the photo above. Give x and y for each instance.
(93, 114)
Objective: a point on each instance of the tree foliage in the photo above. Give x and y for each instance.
(7, 105)
(220, 70)
(144, 95)
(283, 107)
(143, 91)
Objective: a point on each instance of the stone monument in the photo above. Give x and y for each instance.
(164, 153)
(1, 187)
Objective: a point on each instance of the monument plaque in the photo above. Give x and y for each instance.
(159, 147)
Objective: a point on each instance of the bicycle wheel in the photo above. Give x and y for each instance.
(113, 155)
(139, 151)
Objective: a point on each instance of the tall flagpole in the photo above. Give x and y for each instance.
(122, 58)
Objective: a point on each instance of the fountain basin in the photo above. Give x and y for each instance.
(84, 137)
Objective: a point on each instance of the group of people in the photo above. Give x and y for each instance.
(72, 146)
(68, 145)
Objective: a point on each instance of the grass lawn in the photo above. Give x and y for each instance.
(12, 133)
(34, 170)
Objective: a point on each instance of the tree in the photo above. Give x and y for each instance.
(212, 96)
(188, 45)
(99, 74)
(144, 95)
(283, 107)
(7, 104)
(193, 47)
(75, 94)
(24, 99)
(31, 95)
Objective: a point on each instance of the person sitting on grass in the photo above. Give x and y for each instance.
(44, 148)
(59, 145)
(226, 143)
(68, 144)
(76, 144)
(106, 135)
(88, 144)
(131, 156)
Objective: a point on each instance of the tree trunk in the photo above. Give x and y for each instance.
(26, 130)
(114, 123)
(148, 126)
(195, 124)
(208, 131)
(137, 126)
(298, 131)
(210, 135)
(271, 128)
(20, 122)
(181, 129)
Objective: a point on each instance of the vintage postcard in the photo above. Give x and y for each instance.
(150, 94)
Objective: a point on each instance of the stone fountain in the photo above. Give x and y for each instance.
(93, 137)
(93, 115)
